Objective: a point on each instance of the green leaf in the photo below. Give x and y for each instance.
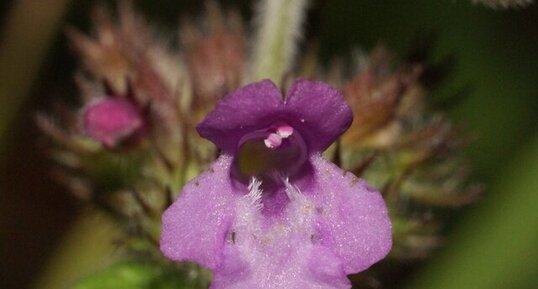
(133, 275)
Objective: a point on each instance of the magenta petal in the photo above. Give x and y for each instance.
(322, 112)
(242, 111)
(195, 226)
(353, 221)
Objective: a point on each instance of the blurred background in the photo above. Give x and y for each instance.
(491, 92)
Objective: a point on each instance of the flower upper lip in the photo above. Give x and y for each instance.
(318, 111)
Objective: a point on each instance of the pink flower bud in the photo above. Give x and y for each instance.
(111, 121)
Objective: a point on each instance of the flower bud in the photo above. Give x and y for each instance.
(111, 121)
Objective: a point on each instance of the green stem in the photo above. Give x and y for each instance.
(279, 28)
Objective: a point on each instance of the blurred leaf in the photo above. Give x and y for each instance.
(496, 245)
(132, 275)
(495, 69)
(84, 248)
(27, 32)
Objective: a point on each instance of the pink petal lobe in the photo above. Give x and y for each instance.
(322, 112)
(195, 226)
(277, 253)
(353, 218)
(242, 111)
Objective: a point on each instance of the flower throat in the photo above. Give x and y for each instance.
(272, 154)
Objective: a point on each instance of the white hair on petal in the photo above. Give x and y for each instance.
(292, 191)
(255, 193)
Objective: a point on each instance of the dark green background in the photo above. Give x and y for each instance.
(494, 60)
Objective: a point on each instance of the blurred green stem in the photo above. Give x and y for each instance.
(496, 246)
(86, 248)
(279, 28)
(29, 28)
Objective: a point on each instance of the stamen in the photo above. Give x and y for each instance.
(273, 141)
(284, 131)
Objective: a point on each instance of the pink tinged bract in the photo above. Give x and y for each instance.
(110, 121)
(306, 227)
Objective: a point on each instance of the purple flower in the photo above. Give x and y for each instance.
(111, 121)
(271, 212)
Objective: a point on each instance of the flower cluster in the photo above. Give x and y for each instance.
(280, 203)
(299, 221)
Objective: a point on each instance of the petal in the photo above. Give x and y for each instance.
(292, 267)
(353, 218)
(195, 226)
(326, 268)
(277, 253)
(242, 111)
(323, 113)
